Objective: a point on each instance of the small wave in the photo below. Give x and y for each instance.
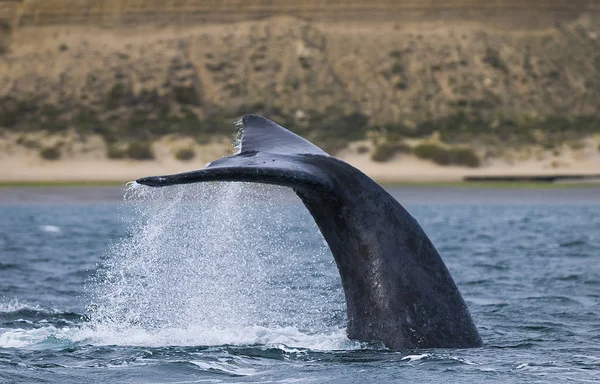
(195, 336)
(236, 367)
(28, 315)
(15, 305)
(437, 357)
(484, 301)
(498, 266)
(16, 310)
(5, 266)
(563, 300)
(50, 228)
(46, 338)
(573, 243)
(411, 358)
(289, 340)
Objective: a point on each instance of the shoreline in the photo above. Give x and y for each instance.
(387, 183)
(21, 166)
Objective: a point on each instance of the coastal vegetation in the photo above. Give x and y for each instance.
(185, 154)
(388, 149)
(447, 156)
(332, 130)
(140, 151)
(469, 86)
(50, 153)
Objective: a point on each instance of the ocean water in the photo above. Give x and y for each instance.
(231, 282)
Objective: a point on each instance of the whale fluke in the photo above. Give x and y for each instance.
(398, 290)
(263, 135)
(268, 155)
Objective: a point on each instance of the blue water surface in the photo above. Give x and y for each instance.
(235, 284)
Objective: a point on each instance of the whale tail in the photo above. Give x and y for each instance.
(398, 290)
(268, 155)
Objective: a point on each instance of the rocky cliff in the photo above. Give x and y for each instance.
(334, 82)
(526, 14)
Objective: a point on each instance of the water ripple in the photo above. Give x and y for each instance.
(255, 296)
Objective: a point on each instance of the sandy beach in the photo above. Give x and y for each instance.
(87, 163)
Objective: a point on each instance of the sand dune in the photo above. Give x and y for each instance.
(18, 163)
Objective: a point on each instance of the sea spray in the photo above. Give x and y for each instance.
(218, 263)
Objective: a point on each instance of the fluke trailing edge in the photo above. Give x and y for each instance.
(398, 290)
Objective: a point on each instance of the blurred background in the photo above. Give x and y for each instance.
(405, 90)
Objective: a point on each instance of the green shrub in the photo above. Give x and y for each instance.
(115, 152)
(115, 95)
(492, 57)
(465, 156)
(185, 154)
(109, 137)
(186, 95)
(293, 83)
(203, 139)
(141, 150)
(88, 121)
(334, 126)
(28, 143)
(50, 117)
(397, 68)
(401, 83)
(216, 67)
(50, 153)
(332, 146)
(434, 152)
(257, 56)
(396, 54)
(442, 156)
(577, 145)
(362, 149)
(304, 62)
(11, 111)
(384, 152)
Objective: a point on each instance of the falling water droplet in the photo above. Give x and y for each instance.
(218, 263)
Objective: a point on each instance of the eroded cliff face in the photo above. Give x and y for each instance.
(326, 80)
(507, 13)
(5, 37)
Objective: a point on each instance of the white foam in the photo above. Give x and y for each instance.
(50, 228)
(226, 367)
(412, 358)
(15, 305)
(289, 340)
(20, 338)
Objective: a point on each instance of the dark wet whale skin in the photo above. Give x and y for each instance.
(398, 290)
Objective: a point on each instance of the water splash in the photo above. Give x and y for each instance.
(218, 263)
(16, 305)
